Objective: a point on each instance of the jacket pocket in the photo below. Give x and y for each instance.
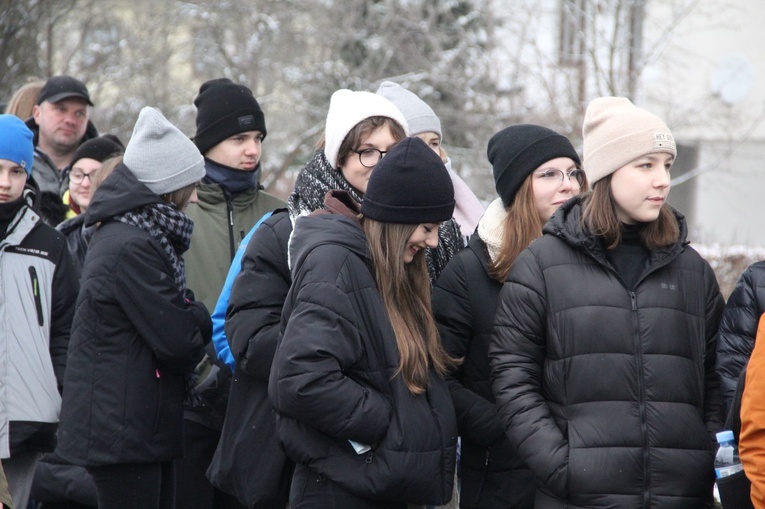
(36, 293)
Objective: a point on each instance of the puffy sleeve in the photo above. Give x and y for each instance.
(517, 355)
(321, 341)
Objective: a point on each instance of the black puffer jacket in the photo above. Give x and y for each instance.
(738, 328)
(610, 394)
(252, 328)
(134, 338)
(464, 303)
(334, 376)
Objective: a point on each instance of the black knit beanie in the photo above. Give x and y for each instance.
(100, 149)
(410, 185)
(224, 109)
(516, 151)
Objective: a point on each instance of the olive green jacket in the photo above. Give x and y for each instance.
(219, 227)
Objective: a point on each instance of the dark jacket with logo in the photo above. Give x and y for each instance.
(334, 377)
(464, 303)
(609, 393)
(135, 337)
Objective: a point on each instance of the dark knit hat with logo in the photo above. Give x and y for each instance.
(99, 149)
(516, 151)
(410, 185)
(224, 109)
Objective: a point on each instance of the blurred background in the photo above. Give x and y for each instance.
(481, 64)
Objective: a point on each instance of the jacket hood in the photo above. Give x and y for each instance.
(337, 225)
(120, 192)
(566, 224)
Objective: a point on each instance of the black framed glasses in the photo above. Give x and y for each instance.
(369, 157)
(577, 177)
(78, 176)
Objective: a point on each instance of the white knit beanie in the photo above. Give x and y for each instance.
(348, 108)
(161, 156)
(420, 117)
(615, 132)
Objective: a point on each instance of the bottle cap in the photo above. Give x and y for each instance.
(724, 436)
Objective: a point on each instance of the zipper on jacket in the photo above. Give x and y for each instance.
(36, 294)
(370, 457)
(231, 229)
(641, 396)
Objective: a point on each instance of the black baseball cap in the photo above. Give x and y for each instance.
(59, 88)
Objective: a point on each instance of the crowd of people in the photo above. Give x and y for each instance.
(175, 336)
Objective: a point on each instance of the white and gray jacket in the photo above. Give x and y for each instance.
(38, 292)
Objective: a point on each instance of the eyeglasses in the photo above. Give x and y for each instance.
(77, 176)
(554, 176)
(369, 157)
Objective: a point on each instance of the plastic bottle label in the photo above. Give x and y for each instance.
(721, 472)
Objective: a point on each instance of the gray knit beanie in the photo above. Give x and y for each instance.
(420, 117)
(161, 156)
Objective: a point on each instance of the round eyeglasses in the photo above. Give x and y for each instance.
(369, 157)
(78, 176)
(555, 176)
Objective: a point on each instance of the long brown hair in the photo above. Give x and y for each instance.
(599, 217)
(522, 226)
(362, 130)
(405, 291)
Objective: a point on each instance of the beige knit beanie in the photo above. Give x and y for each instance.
(615, 132)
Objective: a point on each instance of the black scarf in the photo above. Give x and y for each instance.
(231, 180)
(171, 227)
(8, 212)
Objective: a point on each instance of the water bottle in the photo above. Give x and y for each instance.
(726, 461)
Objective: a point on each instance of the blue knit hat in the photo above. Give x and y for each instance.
(16, 142)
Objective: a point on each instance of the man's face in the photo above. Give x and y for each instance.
(62, 124)
(241, 151)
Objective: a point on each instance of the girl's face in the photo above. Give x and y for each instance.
(426, 235)
(356, 173)
(641, 187)
(553, 183)
(432, 140)
(80, 180)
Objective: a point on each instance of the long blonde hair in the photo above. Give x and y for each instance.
(405, 291)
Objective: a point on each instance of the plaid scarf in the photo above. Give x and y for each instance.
(171, 227)
(314, 181)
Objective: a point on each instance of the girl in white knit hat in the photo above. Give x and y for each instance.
(603, 348)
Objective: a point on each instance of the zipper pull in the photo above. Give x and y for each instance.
(369, 458)
(157, 372)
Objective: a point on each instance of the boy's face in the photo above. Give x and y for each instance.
(12, 180)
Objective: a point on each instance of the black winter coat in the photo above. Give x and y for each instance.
(259, 479)
(610, 394)
(134, 338)
(738, 327)
(464, 303)
(334, 377)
